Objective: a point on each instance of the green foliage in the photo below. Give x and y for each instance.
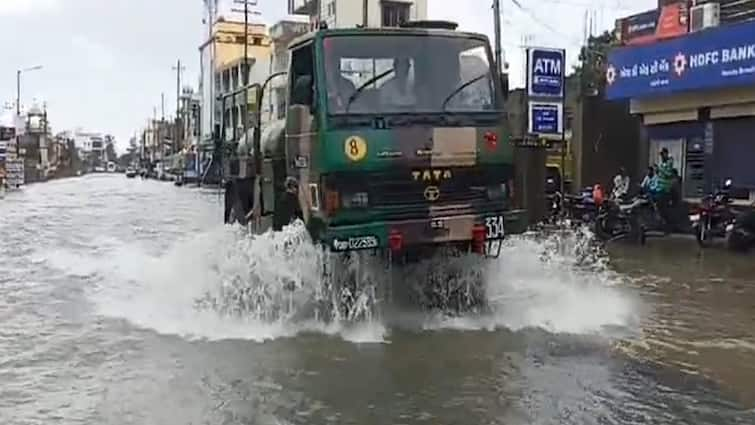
(591, 70)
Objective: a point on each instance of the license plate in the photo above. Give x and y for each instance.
(438, 224)
(495, 227)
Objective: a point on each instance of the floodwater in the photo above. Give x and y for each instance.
(100, 277)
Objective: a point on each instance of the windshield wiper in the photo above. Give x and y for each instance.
(459, 89)
(361, 88)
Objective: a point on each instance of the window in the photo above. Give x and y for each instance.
(395, 13)
(302, 73)
(332, 8)
(396, 74)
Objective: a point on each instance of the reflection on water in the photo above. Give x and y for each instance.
(703, 310)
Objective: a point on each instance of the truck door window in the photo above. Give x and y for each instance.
(302, 72)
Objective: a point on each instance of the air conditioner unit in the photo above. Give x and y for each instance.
(704, 16)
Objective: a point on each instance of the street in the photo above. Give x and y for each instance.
(99, 276)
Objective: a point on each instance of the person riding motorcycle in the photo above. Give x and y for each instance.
(621, 184)
(649, 184)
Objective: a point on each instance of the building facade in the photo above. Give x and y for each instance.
(695, 94)
(223, 51)
(281, 34)
(353, 13)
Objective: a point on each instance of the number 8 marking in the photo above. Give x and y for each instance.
(355, 148)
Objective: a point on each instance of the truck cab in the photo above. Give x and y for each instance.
(397, 139)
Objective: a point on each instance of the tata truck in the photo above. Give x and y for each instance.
(396, 140)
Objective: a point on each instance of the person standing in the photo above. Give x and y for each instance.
(665, 183)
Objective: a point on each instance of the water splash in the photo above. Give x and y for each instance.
(225, 284)
(558, 281)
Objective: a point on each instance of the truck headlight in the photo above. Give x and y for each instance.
(356, 200)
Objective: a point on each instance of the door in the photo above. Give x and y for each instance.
(676, 150)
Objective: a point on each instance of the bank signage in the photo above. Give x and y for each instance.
(546, 119)
(545, 72)
(714, 58)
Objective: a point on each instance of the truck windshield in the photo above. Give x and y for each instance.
(394, 74)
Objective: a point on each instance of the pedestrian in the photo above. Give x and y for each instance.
(649, 182)
(288, 208)
(665, 183)
(620, 185)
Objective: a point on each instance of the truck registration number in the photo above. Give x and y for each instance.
(495, 227)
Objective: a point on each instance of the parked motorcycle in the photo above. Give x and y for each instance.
(714, 216)
(618, 219)
(740, 233)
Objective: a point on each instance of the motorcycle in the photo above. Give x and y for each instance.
(618, 219)
(713, 216)
(740, 233)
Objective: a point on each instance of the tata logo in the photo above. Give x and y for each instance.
(432, 193)
(429, 176)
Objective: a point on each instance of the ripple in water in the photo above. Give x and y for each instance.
(224, 284)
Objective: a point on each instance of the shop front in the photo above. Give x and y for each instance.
(696, 97)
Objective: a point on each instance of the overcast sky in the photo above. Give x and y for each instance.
(106, 62)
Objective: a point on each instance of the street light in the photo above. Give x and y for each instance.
(18, 85)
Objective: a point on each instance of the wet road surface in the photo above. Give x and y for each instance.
(99, 278)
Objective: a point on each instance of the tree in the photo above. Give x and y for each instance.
(591, 70)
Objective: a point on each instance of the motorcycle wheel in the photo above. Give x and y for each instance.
(601, 229)
(703, 233)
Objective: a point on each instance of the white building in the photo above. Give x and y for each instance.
(352, 13)
(282, 33)
(89, 144)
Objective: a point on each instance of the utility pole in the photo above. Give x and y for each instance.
(178, 133)
(245, 74)
(18, 93)
(365, 13)
(497, 29)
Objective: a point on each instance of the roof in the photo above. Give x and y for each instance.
(384, 31)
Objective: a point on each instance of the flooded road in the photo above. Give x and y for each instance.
(99, 279)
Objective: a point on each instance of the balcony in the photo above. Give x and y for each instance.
(303, 7)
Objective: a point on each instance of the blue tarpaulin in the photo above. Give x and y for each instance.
(714, 58)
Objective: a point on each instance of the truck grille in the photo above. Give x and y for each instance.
(397, 195)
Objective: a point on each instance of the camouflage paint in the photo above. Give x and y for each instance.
(398, 150)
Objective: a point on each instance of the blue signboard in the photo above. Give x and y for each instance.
(714, 58)
(546, 118)
(545, 72)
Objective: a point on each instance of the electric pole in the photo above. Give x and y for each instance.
(245, 76)
(365, 13)
(497, 29)
(178, 122)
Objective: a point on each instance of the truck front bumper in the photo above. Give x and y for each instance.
(437, 230)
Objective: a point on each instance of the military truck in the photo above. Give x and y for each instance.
(396, 139)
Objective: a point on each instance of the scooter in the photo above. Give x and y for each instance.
(714, 216)
(740, 233)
